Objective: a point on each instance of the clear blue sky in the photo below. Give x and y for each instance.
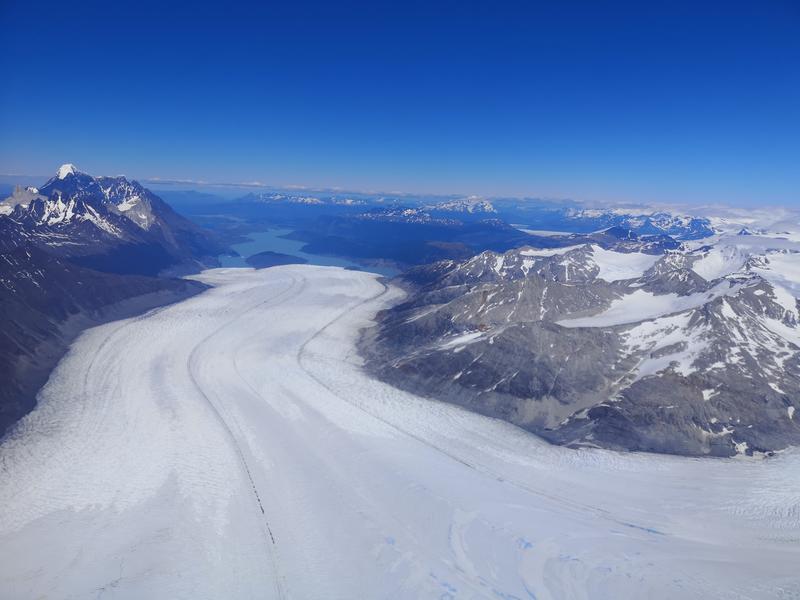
(639, 101)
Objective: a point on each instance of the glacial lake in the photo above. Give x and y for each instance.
(271, 240)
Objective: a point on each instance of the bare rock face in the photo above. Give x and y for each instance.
(627, 346)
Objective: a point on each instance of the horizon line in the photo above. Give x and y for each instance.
(654, 206)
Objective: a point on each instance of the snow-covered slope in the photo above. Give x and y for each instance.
(231, 446)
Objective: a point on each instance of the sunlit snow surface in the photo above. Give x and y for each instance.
(230, 447)
(641, 305)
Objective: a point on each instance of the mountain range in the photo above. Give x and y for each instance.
(611, 341)
(684, 227)
(659, 332)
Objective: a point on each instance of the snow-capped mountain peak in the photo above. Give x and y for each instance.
(108, 196)
(471, 204)
(66, 170)
(76, 214)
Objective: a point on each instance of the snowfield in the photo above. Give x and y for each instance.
(641, 305)
(616, 266)
(229, 446)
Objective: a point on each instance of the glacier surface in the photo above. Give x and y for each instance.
(230, 446)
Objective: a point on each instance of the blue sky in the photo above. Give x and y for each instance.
(680, 102)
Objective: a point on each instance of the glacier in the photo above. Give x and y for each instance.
(230, 446)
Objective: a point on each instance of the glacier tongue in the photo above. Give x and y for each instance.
(230, 446)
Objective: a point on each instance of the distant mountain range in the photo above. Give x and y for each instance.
(618, 340)
(568, 216)
(78, 251)
(463, 205)
(682, 227)
(287, 198)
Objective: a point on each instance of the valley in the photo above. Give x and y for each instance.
(399, 301)
(247, 454)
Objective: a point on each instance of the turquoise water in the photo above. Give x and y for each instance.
(271, 240)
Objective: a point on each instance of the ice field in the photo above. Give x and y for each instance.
(229, 446)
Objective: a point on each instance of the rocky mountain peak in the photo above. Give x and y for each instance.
(66, 170)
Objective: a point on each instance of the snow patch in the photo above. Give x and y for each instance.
(641, 305)
(617, 266)
(720, 261)
(66, 169)
(128, 204)
(547, 251)
(666, 343)
(462, 340)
